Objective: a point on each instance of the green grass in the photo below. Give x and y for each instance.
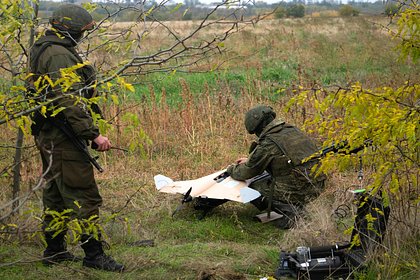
(356, 52)
(165, 261)
(227, 243)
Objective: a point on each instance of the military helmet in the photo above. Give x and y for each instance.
(258, 116)
(72, 18)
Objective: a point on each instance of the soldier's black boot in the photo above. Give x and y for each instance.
(56, 250)
(260, 202)
(95, 256)
(206, 205)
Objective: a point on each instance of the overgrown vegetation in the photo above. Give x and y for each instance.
(347, 82)
(389, 118)
(348, 11)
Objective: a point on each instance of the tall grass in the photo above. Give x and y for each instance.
(279, 54)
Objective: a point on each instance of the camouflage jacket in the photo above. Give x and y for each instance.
(48, 55)
(280, 150)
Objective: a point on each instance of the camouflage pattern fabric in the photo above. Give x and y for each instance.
(279, 150)
(72, 18)
(70, 175)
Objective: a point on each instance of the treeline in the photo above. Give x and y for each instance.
(128, 12)
(297, 9)
(132, 12)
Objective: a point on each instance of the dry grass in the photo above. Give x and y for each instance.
(326, 13)
(284, 39)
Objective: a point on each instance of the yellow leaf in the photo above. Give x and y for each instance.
(129, 87)
(77, 204)
(43, 110)
(114, 99)
(55, 112)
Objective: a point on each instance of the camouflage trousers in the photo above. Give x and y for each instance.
(70, 183)
(288, 190)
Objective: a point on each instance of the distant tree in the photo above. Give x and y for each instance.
(391, 9)
(280, 12)
(348, 11)
(187, 15)
(190, 3)
(295, 10)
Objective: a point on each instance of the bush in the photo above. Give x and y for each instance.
(187, 16)
(391, 9)
(295, 10)
(348, 11)
(280, 12)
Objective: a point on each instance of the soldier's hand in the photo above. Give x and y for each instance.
(102, 142)
(241, 160)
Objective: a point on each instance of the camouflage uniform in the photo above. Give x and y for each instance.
(280, 149)
(69, 173)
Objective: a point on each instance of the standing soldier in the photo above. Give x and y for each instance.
(69, 175)
(280, 150)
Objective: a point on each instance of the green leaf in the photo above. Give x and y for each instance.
(176, 8)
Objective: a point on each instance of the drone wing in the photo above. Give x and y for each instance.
(209, 187)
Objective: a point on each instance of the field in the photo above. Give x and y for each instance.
(187, 125)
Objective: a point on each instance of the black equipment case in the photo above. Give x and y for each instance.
(340, 261)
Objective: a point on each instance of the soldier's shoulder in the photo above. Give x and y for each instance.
(265, 143)
(59, 54)
(55, 50)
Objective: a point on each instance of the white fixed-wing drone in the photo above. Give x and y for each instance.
(218, 185)
(217, 188)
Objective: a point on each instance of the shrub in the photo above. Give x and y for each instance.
(280, 12)
(295, 10)
(391, 9)
(348, 11)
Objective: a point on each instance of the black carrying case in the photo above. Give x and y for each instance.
(340, 260)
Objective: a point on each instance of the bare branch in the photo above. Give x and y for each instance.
(22, 199)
